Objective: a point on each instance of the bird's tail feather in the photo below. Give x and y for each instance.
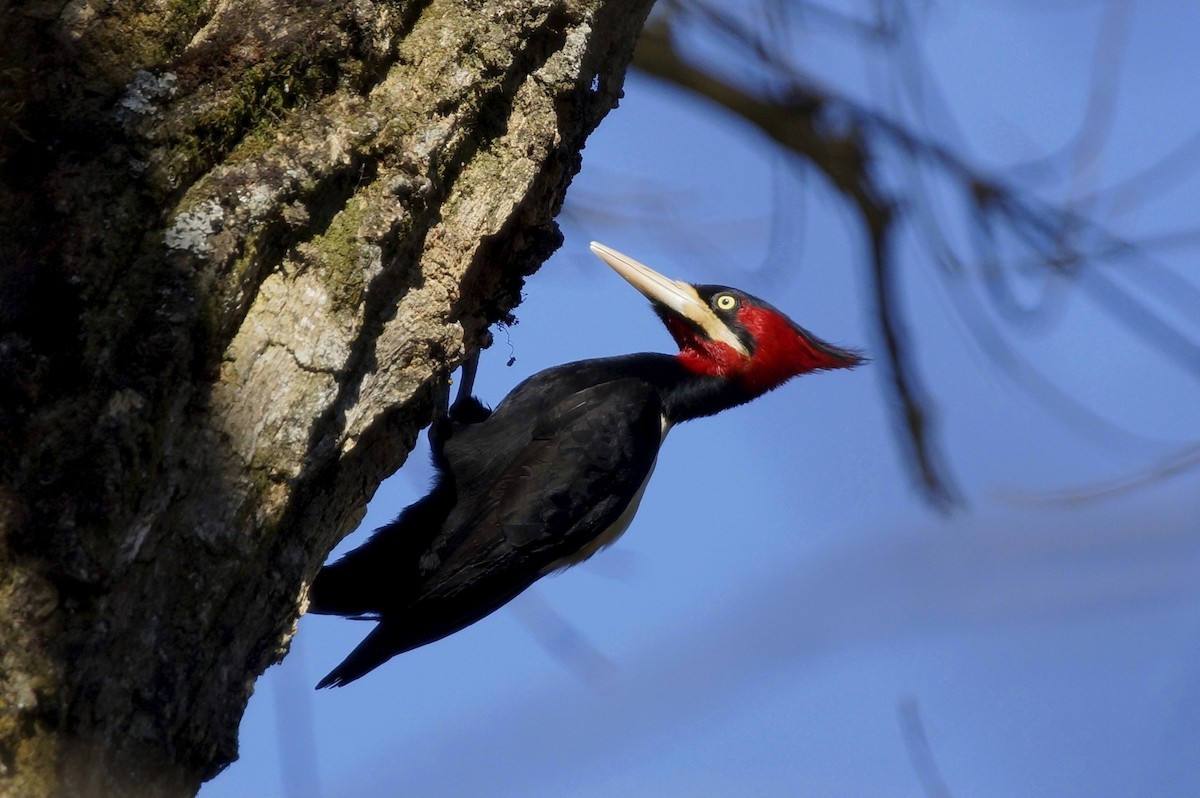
(375, 649)
(389, 638)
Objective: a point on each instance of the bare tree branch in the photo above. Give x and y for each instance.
(1016, 240)
(795, 123)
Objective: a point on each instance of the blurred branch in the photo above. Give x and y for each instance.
(562, 640)
(843, 159)
(920, 753)
(1179, 462)
(1108, 57)
(1014, 237)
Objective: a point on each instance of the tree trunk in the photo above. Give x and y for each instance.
(243, 245)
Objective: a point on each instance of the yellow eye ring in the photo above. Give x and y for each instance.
(726, 302)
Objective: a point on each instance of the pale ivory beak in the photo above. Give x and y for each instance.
(678, 297)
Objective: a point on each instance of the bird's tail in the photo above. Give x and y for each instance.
(414, 627)
(392, 636)
(376, 649)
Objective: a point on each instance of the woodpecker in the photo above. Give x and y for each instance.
(557, 471)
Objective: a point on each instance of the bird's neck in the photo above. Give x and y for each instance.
(697, 395)
(686, 393)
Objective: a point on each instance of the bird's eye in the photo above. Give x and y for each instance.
(726, 302)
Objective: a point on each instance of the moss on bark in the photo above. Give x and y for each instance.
(243, 244)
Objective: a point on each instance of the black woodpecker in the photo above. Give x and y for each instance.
(556, 472)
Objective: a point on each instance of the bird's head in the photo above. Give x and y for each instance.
(724, 332)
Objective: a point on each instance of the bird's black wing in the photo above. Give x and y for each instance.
(583, 462)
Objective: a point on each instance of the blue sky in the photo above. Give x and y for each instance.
(783, 593)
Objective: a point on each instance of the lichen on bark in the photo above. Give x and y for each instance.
(244, 244)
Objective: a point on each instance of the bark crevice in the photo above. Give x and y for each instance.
(246, 246)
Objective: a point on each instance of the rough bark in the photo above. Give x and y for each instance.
(243, 245)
